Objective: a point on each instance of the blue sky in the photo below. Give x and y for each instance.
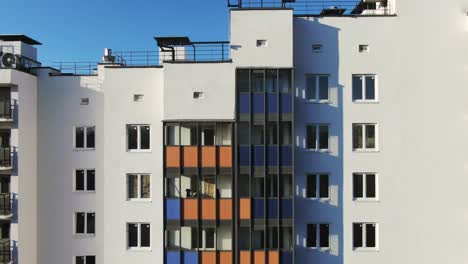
(79, 30)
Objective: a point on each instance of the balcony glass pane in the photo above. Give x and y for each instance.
(188, 134)
(285, 81)
(243, 79)
(286, 103)
(286, 208)
(285, 133)
(273, 208)
(244, 156)
(223, 134)
(271, 82)
(258, 135)
(244, 186)
(258, 208)
(272, 103)
(272, 133)
(259, 156)
(172, 134)
(258, 103)
(286, 156)
(244, 103)
(257, 79)
(272, 155)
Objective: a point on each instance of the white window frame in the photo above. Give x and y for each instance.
(364, 187)
(139, 187)
(317, 85)
(85, 223)
(85, 181)
(85, 262)
(364, 238)
(364, 139)
(139, 247)
(138, 149)
(203, 244)
(317, 186)
(317, 137)
(363, 85)
(317, 236)
(85, 140)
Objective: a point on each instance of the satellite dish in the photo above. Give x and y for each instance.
(8, 60)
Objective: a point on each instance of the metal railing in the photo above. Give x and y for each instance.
(5, 157)
(76, 68)
(207, 51)
(5, 107)
(138, 58)
(5, 250)
(18, 62)
(5, 203)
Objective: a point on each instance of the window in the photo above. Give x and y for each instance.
(364, 235)
(138, 235)
(262, 43)
(207, 239)
(317, 88)
(318, 235)
(84, 101)
(138, 137)
(364, 88)
(85, 180)
(364, 186)
(364, 48)
(85, 137)
(317, 137)
(139, 186)
(85, 260)
(198, 95)
(317, 186)
(172, 239)
(138, 97)
(364, 136)
(317, 48)
(84, 223)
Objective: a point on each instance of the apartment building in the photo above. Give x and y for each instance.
(318, 133)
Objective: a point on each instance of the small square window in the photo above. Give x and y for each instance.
(364, 48)
(84, 101)
(261, 43)
(198, 95)
(317, 47)
(138, 97)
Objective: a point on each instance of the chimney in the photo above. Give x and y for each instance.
(108, 58)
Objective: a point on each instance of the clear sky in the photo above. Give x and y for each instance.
(79, 30)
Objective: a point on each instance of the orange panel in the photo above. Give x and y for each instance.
(172, 157)
(208, 257)
(209, 157)
(244, 257)
(190, 209)
(225, 209)
(225, 257)
(244, 208)
(273, 257)
(259, 257)
(209, 209)
(225, 157)
(191, 157)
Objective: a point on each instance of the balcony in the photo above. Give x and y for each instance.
(5, 158)
(5, 206)
(6, 109)
(183, 50)
(10, 60)
(5, 251)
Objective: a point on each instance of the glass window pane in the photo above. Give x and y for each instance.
(311, 235)
(257, 188)
(145, 186)
(285, 81)
(132, 134)
(271, 81)
(311, 186)
(370, 136)
(370, 87)
(286, 133)
(311, 137)
(357, 88)
(286, 238)
(90, 223)
(132, 186)
(286, 186)
(132, 235)
(370, 235)
(209, 238)
(223, 134)
(80, 260)
(90, 259)
(144, 137)
(80, 223)
(90, 136)
(324, 235)
(370, 185)
(323, 87)
(188, 134)
(207, 186)
(358, 191)
(258, 239)
(257, 81)
(145, 235)
(272, 185)
(90, 180)
(243, 80)
(272, 235)
(272, 133)
(323, 137)
(79, 137)
(357, 137)
(323, 192)
(172, 187)
(244, 185)
(357, 235)
(244, 238)
(258, 135)
(173, 239)
(172, 135)
(311, 87)
(243, 132)
(79, 180)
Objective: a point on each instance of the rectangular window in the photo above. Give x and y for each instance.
(318, 186)
(207, 239)
(84, 223)
(85, 180)
(139, 235)
(364, 186)
(85, 260)
(317, 137)
(364, 88)
(138, 186)
(317, 88)
(138, 137)
(319, 239)
(364, 136)
(85, 137)
(364, 235)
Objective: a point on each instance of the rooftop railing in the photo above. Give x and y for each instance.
(138, 58)
(182, 49)
(18, 62)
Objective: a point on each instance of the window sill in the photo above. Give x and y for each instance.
(139, 150)
(318, 150)
(366, 150)
(362, 249)
(84, 149)
(319, 199)
(317, 102)
(135, 200)
(321, 249)
(365, 101)
(139, 249)
(84, 192)
(366, 200)
(84, 235)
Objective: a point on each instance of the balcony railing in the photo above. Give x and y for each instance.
(5, 251)
(182, 49)
(5, 157)
(5, 204)
(17, 62)
(5, 108)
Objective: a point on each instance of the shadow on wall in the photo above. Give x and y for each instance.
(14, 252)
(309, 32)
(14, 208)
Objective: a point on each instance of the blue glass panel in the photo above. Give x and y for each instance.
(259, 156)
(173, 257)
(258, 208)
(258, 103)
(286, 103)
(244, 155)
(272, 155)
(272, 103)
(190, 257)
(286, 257)
(172, 209)
(244, 104)
(273, 208)
(286, 156)
(286, 208)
